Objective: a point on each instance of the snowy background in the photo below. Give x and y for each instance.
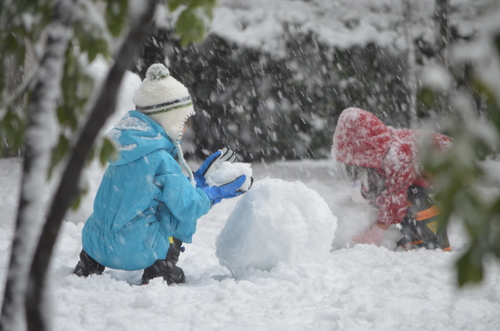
(283, 277)
(272, 76)
(279, 257)
(342, 23)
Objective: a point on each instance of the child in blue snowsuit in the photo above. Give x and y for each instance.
(145, 206)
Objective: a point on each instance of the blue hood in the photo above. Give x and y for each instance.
(136, 129)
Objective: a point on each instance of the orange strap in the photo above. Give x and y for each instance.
(428, 213)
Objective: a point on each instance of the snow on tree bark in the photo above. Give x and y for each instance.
(41, 135)
(411, 80)
(68, 189)
(442, 42)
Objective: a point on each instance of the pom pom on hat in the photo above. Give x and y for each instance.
(157, 72)
(165, 99)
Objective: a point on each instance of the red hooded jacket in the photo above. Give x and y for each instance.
(362, 139)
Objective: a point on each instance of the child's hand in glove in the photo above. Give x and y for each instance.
(230, 190)
(372, 236)
(211, 164)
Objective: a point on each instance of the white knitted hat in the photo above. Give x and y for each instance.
(168, 102)
(164, 99)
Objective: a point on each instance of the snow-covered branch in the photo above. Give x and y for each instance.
(68, 187)
(41, 134)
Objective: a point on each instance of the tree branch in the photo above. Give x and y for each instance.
(40, 137)
(68, 187)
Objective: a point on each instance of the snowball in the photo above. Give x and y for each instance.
(275, 221)
(436, 78)
(229, 172)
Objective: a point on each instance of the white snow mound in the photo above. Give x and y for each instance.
(275, 221)
(354, 218)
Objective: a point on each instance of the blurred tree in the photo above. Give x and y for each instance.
(442, 48)
(460, 176)
(45, 101)
(411, 76)
(443, 30)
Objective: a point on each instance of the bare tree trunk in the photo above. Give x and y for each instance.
(68, 187)
(443, 36)
(411, 80)
(442, 41)
(40, 138)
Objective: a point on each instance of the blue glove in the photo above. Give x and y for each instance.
(212, 163)
(199, 175)
(230, 190)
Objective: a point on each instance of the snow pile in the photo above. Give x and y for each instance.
(352, 219)
(354, 213)
(275, 221)
(228, 172)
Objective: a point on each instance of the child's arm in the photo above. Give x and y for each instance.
(184, 201)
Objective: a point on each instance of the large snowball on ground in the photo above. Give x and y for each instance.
(275, 221)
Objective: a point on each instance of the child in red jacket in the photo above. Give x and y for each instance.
(384, 163)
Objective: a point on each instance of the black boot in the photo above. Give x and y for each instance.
(167, 268)
(420, 227)
(87, 266)
(412, 237)
(433, 235)
(171, 273)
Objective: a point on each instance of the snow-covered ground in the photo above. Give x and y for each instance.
(358, 288)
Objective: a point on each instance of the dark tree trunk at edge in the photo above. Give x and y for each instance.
(35, 164)
(68, 189)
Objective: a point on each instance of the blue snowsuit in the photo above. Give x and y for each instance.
(143, 199)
